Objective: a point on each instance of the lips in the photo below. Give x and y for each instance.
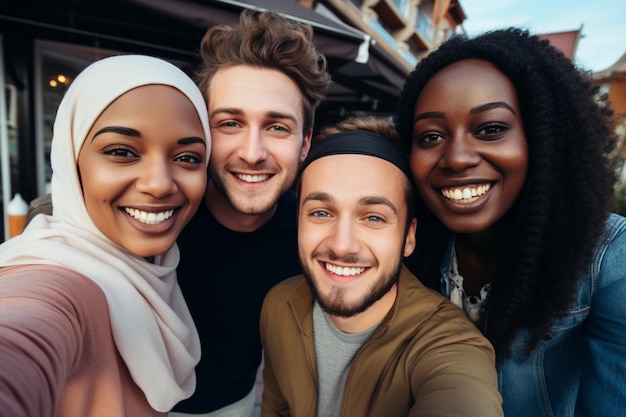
(149, 217)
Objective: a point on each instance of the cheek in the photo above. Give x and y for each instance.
(420, 168)
(518, 179)
(90, 181)
(221, 148)
(194, 184)
(515, 167)
(309, 237)
(285, 152)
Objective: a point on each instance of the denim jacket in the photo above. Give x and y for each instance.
(579, 368)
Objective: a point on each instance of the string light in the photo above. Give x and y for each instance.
(60, 80)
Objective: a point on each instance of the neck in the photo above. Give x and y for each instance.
(370, 317)
(479, 255)
(223, 211)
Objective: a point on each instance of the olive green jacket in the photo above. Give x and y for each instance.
(425, 359)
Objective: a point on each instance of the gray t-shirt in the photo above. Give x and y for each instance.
(334, 352)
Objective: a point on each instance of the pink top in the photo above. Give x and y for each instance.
(57, 350)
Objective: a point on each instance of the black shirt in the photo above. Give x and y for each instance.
(224, 276)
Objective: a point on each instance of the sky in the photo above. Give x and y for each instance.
(603, 22)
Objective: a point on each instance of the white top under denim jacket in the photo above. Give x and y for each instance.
(579, 368)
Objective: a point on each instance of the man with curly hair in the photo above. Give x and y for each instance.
(262, 80)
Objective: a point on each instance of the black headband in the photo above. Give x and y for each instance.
(359, 142)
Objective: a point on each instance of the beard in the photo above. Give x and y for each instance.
(252, 202)
(335, 302)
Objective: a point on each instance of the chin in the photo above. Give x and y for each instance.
(150, 250)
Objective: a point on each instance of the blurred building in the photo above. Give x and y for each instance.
(566, 42)
(612, 85)
(371, 47)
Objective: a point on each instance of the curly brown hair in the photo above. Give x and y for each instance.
(268, 40)
(560, 214)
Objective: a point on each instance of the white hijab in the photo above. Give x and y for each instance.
(152, 327)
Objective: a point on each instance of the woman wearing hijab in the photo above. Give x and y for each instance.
(92, 320)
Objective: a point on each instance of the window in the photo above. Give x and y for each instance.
(56, 65)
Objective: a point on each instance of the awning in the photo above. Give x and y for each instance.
(333, 39)
(364, 75)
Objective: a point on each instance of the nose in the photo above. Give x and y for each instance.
(156, 178)
(253, 147)
(460, 153)
(344, 239)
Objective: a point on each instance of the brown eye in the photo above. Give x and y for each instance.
(120, 152)
(491, 131)
(428, 138)
(189, 158)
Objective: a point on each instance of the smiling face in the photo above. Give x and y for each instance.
(257, 124)
(469, 155)
(351, 232)
(142, 168)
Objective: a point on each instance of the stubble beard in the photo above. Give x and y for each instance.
(254, 203)
(335, 304)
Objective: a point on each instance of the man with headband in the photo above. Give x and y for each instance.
(358, 334)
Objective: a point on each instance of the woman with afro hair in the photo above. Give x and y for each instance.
(512, 157)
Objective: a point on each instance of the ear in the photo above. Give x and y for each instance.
(306, 145)
(409, 244)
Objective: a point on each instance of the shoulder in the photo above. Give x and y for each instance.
(50, 281)
(433, 317)
(54, 324)
(291, 293)
(614, 229)
(606, 276)
(287, 288)
(611, 249)
(424, 302)
(66, 311)
(44, 297)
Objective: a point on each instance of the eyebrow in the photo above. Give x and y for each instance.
(127, 131)
(190, 140)
(364, 201)
(475, 110)
(490, 106)
(428, 115)
(270, 114)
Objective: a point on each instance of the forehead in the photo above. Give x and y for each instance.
(255, 90)
(152, 109)
(156, 102)
(350, 178)
(467, 82)
(153, 98)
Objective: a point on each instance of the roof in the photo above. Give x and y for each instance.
(567, 41)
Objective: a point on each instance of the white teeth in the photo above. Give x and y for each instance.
(252, 178)
(465, 194)
(149, 218)
(344, 271)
